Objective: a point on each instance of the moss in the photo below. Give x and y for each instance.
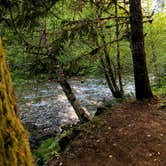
(48, 149)
(14, 145)
(51, 147)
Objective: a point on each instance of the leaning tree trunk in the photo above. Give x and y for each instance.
(105, 70)
(82, 114)
(142, 85)
(106, 62)
(14, 145)
(117, 92)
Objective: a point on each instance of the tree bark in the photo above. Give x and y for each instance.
(117, 93)
(82, 114)
(142, 84)
(106, 62)
(105, 71)
(14, 145)
(119, 68)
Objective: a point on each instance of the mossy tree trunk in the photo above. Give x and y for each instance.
(14, 145)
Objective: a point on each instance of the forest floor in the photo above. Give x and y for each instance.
(129, 134)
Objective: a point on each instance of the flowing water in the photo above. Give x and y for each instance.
(46, 107)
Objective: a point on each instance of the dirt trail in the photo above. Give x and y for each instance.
(130, 134)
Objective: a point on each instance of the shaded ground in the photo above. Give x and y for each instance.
(132, 134)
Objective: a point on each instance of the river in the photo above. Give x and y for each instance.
(45, 108)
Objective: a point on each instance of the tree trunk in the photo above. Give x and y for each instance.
(142, 85)
(14, 145)
(106, 62)
(105, 71)
(82, 114)
(116, 93)
(119, 68)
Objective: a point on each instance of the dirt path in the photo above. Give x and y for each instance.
(132, 134)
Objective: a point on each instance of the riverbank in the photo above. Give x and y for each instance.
(132, 133)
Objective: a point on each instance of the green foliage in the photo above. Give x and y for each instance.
(71, 28)
(156, 35)
(159, 91)
(50, 148)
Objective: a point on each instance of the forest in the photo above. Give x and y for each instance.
(82, 82)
